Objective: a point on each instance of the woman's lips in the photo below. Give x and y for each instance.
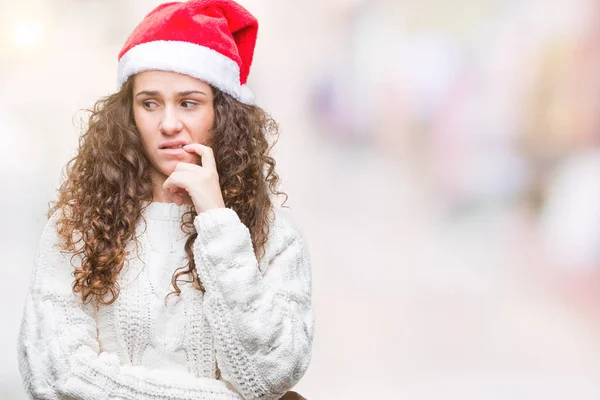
(175, 151)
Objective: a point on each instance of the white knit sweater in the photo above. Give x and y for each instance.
(255, 321)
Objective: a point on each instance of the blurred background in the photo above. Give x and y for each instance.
(442, 158)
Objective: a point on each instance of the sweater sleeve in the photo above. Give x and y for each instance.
(262, 322)
(60, 357)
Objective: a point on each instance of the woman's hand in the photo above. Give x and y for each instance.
(199, 183)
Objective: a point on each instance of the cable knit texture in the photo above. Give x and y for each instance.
(254, 321)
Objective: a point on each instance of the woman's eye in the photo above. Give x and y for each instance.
(150, 105)
(188, 104)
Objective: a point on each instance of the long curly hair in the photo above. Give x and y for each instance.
(107, 181)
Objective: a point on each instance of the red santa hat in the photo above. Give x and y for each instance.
(212, 40)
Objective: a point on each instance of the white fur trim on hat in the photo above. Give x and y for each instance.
(186, 58)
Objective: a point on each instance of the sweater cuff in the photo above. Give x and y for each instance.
(208, 223)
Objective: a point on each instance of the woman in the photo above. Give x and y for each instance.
(165, 271)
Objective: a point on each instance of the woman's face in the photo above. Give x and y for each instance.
(170, 110)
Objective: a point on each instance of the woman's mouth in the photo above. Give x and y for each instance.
(177, 150)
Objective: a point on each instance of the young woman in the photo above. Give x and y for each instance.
(165, 271)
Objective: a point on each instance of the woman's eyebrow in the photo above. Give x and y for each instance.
(148, 93)
(180, 94)
(188, 92)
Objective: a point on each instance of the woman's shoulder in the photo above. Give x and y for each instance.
(285, 222)
(54, 233)
(53, 262)
(51, 226)
(57, 213)
(285, 230)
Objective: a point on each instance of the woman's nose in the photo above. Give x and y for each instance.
(170, 122)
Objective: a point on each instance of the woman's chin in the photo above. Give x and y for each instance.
(167, 167)
(164, 168)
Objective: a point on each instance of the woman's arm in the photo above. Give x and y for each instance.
(59, 354)
(262, 323)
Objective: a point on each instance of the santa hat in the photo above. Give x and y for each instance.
(212, 40)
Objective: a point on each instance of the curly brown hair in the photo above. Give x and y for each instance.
(110, 159)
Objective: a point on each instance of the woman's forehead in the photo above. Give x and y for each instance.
(168, 82)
